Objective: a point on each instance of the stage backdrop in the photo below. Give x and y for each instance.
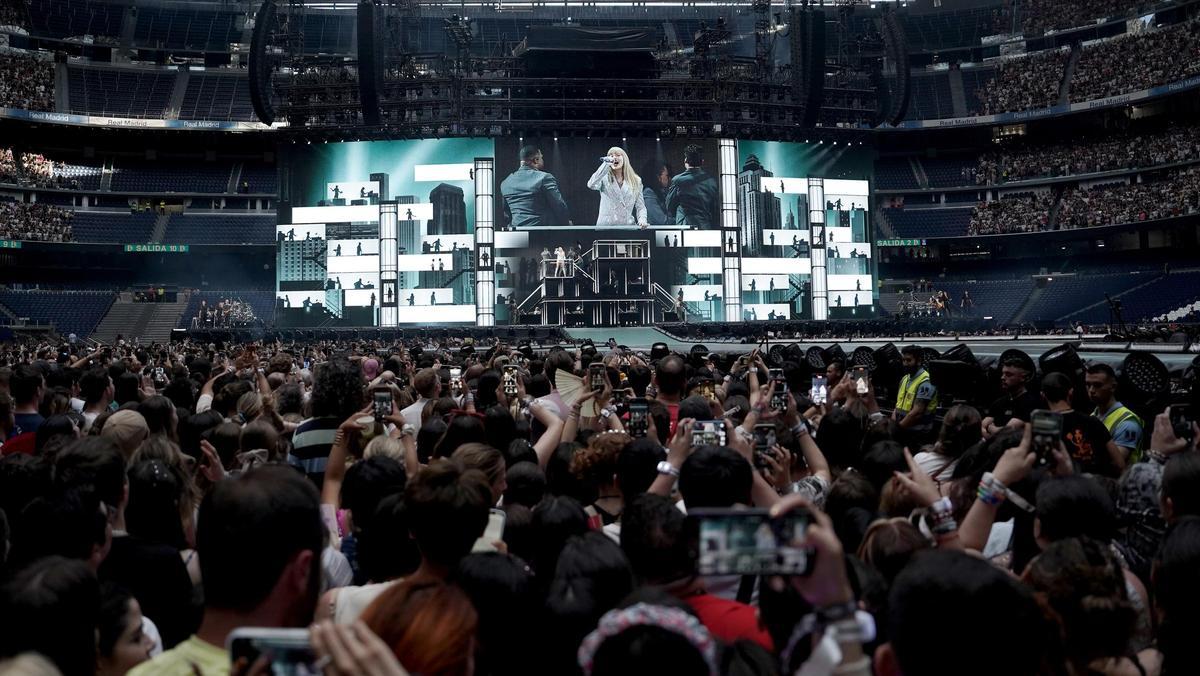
(714, 230)
(329, 263)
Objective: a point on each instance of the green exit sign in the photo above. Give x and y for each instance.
(9, 244)
(156, 248)
(900, 242)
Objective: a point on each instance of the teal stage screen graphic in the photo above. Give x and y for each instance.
(786, 241)
(329, 259)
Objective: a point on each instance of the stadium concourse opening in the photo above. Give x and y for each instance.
(599, 339)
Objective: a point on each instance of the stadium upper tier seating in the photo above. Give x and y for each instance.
(176, 176)
(220, 229)
(120, 92)
(113, 227)
(909, 223)
(75, 312)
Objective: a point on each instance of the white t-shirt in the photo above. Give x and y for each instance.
(936, 462)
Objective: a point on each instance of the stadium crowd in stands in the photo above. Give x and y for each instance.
(26, 82)
(159, 498)
(1023, 83)
(35, 222)
(1017, 213)
(1138, 61)
(1177, 144)
(1177, 194)
(1038, 16)
(33, 169)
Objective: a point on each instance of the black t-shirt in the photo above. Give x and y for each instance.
(157, 577)
(1086, 439)
(1006, 408)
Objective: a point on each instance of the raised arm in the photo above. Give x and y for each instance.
(596, 182)
(545, 445)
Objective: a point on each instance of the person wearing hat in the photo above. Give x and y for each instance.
(127, 429)
(1017, 403)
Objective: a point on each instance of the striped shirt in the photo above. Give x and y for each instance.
(311, 444)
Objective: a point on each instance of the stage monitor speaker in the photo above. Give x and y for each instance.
(370, 63)
(259, 65)
(895, 44)
(807, 30)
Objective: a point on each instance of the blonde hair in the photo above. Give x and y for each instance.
(635, 181)
(389, 446)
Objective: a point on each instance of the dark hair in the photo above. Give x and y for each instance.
(448, 509)
(559, 478)
(1177, 595)
(648, 649)
(249, 528)
(1085, 586)
(65, 523)
(529, 152)
(889, 545)
(289, 398)
(367, 483)
(913, 351)
(943, 584)
(337, 389)
(93, 464)
(1181, 484)
(637, 466)
(960, 430)
(1100, 368)
(23, 477)
(655, 538)
(501, 588)
(880, 461)
(526, 484)
(24, 382)
(693, 154)
(485, 395)
(428, 436)
(51, 607)
(126, 388)
(462, 429)
(715, 476)
(113, 617)
(385, 550)
(695, 407)
(92, 385)
(1075, 506)
(54, 432)
(841, 435)
(591, 578)
(155, 493)
(554, 520)
(157, 411)
(500, 426)
(1056, 387)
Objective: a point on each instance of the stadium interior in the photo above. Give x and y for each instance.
(1009, 184)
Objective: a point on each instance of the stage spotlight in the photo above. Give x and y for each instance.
(961, 353)
(1062, 359)
(815, 357)
(778, 354)
(863, 356)
(658, 351)
(1144, 376)
(928, 354)
(835, 353)
(956, 380)
(1019, 355)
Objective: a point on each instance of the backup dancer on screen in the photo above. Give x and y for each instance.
(621, 201)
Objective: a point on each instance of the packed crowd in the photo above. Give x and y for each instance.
(1038, 16)
(12, 14)
(1026, 212)
(225, 313)
(26, 82)
(1176, 194)
(33, 169)
(491, 510)
(1137, 61)
(35, 222)
(1176, 144)
(1023, 83)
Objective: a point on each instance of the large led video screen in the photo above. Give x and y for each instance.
(786, 240)
(329, 241)
(605, 230)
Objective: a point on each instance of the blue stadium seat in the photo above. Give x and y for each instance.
(163, 176)
(75, 312)
(113, 227)
(220, 229)
(895, 173)
(217, 96)
(120, 92)
(923, 223)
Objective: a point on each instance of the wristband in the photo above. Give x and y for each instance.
(1157, 456)
(760, 408)
(940, 507)
(667, 469)
(800, 429)
(606, 413)
(836, 613)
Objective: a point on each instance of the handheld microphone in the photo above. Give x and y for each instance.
(607, 159)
